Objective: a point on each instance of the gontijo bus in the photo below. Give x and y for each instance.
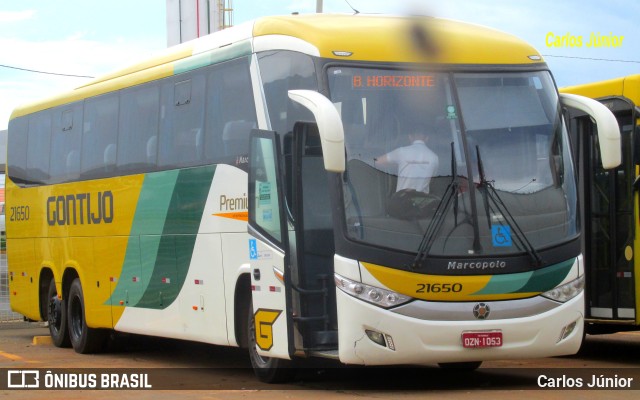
(611, 212)
(129, 197)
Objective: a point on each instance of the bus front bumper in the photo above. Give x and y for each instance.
(409, 340)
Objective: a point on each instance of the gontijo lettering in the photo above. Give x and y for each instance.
(80, 209)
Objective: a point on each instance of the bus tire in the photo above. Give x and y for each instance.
(267, 369)
(57, 317)
(84, 340)
(461, 366)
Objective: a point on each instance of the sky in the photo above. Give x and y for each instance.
(91, 38)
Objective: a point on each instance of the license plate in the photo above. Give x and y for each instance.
(476, 340)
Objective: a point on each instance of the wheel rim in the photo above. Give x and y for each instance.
(54, 315)
(76, 318)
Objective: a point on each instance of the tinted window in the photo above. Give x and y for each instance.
(17, 149)
(158, 125)
(66, 140)
(283, 71)
(99, 149)
(138, 139)
(182, 121)
(38, 147)
(231, 112)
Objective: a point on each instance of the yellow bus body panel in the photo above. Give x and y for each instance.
(95, 251)
(378, 38)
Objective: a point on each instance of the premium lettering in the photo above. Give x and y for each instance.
(233, 203)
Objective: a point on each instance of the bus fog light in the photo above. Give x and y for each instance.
(376, 337)
(567, 330)
(374, 295)
(567, 291)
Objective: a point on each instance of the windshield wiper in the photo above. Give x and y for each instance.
(489, 193)
(450, 193)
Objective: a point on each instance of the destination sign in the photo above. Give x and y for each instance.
(393, 81)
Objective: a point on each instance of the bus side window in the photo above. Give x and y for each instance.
(282, 71)
(231, 113)
(235, 137)
(38, 147)
(17, 149)
(138, 138)
(65, 143)
(99, 137)
(182, 122)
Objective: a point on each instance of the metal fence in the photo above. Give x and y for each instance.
(6, 315)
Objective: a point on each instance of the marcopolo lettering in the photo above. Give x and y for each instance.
(80, 209)
(480, 265)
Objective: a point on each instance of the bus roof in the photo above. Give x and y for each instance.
(388, 38)
(364, 37)
(628, 86)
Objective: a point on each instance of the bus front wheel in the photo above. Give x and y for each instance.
(57, 317)
(267, 369)
(84, 340)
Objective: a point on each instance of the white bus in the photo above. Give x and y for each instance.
(128, 198)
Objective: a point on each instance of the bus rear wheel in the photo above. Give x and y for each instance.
(84, 340)
(267, 369)
(57, 317)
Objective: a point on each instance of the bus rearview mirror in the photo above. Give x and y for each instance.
(608, 130)
(329, 126)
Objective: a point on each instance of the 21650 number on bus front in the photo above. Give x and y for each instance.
(439, 288)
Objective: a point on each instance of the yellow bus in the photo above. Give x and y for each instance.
(610, 225)
(245, 189)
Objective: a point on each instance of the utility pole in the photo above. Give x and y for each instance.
(319, 6)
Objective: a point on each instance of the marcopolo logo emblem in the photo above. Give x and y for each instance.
(481, 311)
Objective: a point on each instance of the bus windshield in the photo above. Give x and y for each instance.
(477, 162)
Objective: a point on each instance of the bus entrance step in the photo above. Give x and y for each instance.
(324, 339)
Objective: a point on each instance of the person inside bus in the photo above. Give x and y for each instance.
(416, 165)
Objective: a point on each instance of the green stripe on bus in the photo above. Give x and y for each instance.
(507, 283)
(175, 246)
(148, 222)
(548, 278)
(538, 281)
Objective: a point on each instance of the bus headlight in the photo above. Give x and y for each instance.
(567, 291)
(371, 294)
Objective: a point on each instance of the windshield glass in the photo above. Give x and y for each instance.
(478, 163)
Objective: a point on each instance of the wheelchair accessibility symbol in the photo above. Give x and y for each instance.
(501, 236)
(253, 249)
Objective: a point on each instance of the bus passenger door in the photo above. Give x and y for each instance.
(292, 248)
(268, 247)
(313, 293)
(609, 222)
